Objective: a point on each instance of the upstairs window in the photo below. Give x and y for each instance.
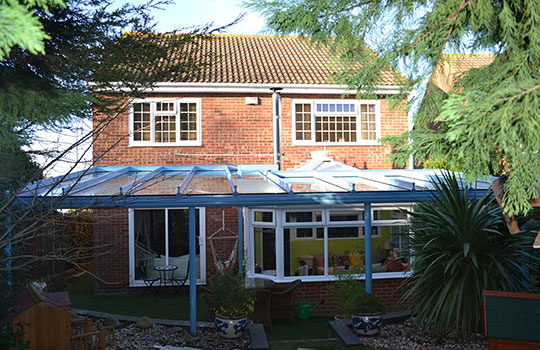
(166, 122)
(336, 122)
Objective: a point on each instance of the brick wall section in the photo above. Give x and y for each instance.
(229, 126)
(223, 247)
(111, 257)
(386, 289)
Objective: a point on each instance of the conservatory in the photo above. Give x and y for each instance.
(307, 223)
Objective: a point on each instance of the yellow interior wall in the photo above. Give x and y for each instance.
(258, 250)
(335, 246)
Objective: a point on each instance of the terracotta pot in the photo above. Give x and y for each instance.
(367, 324)
(230, 327)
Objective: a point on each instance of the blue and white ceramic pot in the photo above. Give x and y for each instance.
(367, 324)
(229, 327)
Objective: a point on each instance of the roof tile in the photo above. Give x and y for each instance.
(259, 59)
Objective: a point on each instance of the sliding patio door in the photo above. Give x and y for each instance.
(161, 237)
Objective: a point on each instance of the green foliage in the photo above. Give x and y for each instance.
(351, 296)
(460, 246)
(229, 296)
(19, 25)
(488, 122)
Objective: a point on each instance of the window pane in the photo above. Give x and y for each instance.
(303, 121)
(346, 215)
(335, 129)
(263, 216)
(149, 233)
(188, 121)
(368, 122)
(265, 250)
(389, 214)
(303, 257)
(164, 128)
(141, 122)
(343, 232)
(179, 240)
(303, 216)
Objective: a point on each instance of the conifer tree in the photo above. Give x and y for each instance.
(489, 122)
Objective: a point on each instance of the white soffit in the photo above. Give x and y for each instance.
(259, 88)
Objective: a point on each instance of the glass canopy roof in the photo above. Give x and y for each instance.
(245, 184)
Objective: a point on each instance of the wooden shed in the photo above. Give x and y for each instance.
(45, 318)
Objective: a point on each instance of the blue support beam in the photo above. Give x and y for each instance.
(367, 247)
(192, 271)
(240, 240)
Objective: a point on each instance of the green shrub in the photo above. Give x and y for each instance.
(460, 247)
(352, 298)
(229, 296)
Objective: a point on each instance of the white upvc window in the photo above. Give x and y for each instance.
(316, 243)
(161, 237)
(336, 122)
(165, 122)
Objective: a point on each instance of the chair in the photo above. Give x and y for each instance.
(282, 300)
(148, 280)
(261, 312)
(181, 275)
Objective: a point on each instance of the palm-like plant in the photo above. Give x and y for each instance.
(460, 246)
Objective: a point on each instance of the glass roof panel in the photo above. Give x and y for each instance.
(109, 187)
(309, 184)
(165, 184)
(364, 185)
(66, 185)
(256, 184)
(208, 182)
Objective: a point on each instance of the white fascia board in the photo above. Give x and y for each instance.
(258, 88)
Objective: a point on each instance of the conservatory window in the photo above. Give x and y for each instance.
(323, 242)
(161, 237)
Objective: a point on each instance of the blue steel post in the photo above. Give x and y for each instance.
(192, 272)
(240, 241)
(367, 248)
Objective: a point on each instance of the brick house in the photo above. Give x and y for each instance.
(310, 193)
(225, 115)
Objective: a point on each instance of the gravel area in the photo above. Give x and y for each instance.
(407, 336)
(132, 338)
(400, 336)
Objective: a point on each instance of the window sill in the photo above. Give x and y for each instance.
(330, 144)
(321, 278)
(195, 144)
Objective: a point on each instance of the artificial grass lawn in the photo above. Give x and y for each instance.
(166, 305)
(319, 344)
(284, 335)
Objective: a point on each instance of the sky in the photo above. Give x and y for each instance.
(181, 15)
(187, 13)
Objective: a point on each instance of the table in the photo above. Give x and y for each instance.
(166, 273)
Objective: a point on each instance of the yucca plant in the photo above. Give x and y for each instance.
(460, 246)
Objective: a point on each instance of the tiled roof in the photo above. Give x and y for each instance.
(452, 65)
(259, 59)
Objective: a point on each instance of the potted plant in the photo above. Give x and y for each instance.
(231, 302)
(363, 309)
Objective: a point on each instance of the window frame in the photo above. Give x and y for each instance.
(280, 225)
(357, 103)
(153, 102)
(131, 244)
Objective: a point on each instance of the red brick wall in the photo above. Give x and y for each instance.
(229, 126)
(386, 289)
(111, 255)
